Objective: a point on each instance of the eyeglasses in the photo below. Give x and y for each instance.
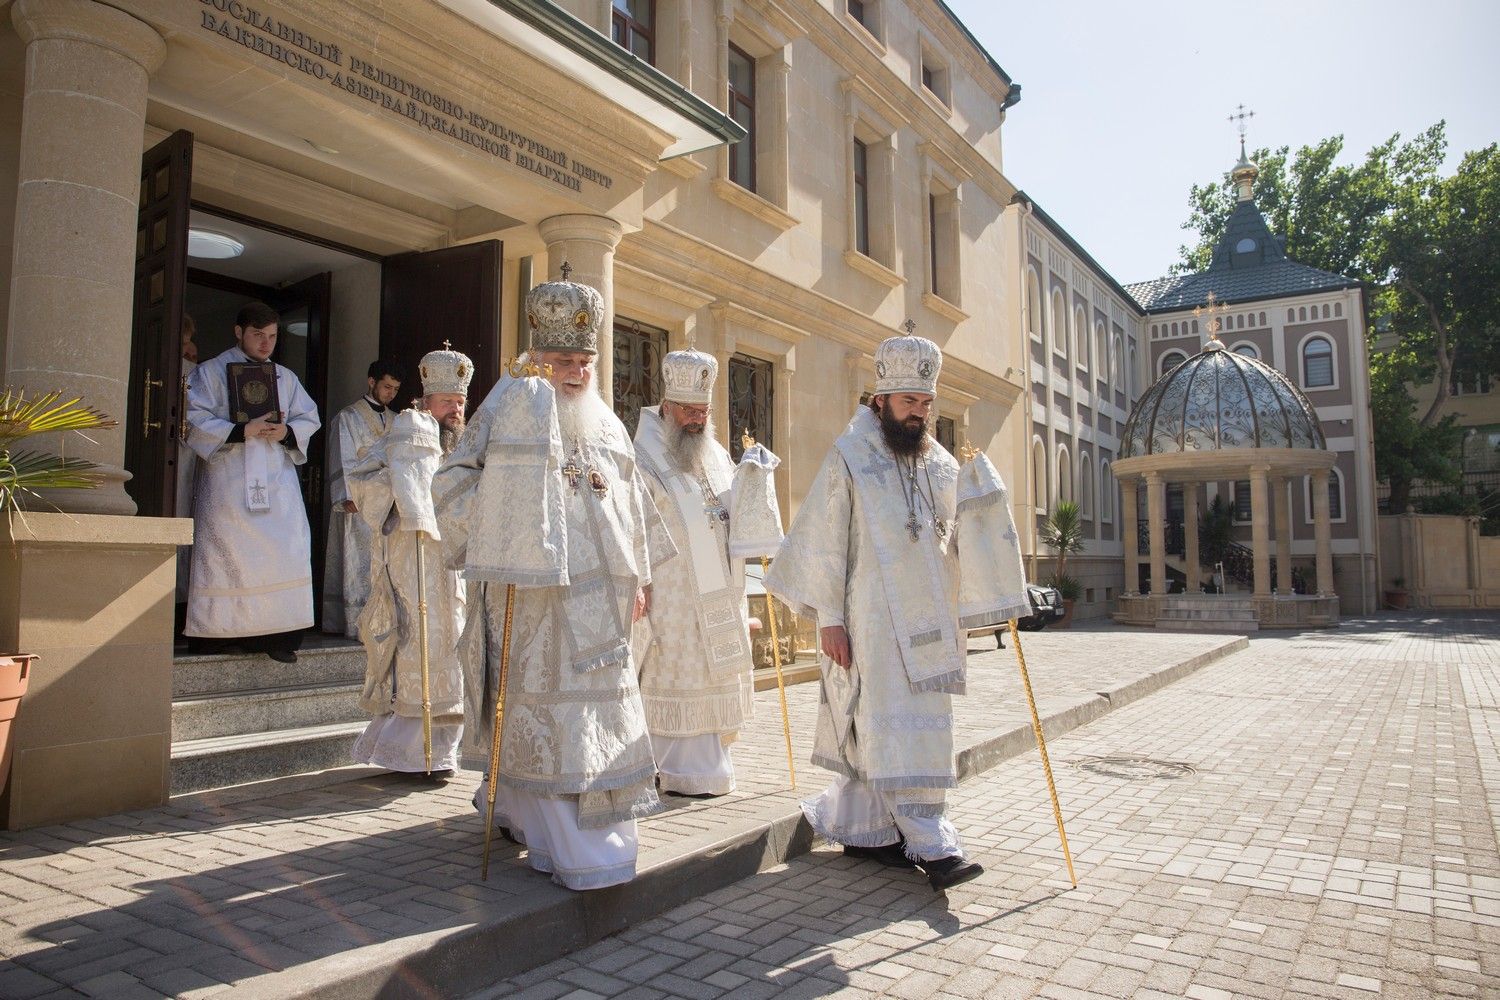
(696, 412)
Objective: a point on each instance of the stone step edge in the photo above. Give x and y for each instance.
(501, 940)
(317, 653)
(210, 745)
(267, 693)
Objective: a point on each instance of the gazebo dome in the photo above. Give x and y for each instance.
(1218, 400)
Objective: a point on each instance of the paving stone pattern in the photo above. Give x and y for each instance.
(190, 900)
(1333, 835)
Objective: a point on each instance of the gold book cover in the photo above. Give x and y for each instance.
(252, 390)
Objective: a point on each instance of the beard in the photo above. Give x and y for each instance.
(687, 447)
(906, 438)
(450, 431)
(581, 418)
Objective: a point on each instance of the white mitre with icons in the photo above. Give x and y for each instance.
(907, 364)
(445, 371)
(688, 377)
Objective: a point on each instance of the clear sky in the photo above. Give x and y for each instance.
(1125, 104)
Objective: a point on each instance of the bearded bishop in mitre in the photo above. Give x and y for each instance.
(543, 493)
(694, 646)
(392, 488)
(897, 553)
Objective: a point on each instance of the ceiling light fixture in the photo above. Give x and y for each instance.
(297, 328)
(210, 245)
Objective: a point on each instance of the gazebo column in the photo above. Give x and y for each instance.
(1321, 532)
(1129, 517)
(1283, 506)
(1260, 531)
(1190, 536)
(1156, 517)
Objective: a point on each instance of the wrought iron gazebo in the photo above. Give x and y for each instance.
(1224, 416)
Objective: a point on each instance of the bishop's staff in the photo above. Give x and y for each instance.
(968, 454)
(422, 638)
(756, 512)
(516, 370)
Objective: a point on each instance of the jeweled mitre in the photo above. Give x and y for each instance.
(907, 364)
(564, 316)
(688, 376)
(445, 371)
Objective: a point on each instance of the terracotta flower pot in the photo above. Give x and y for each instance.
(1398, 600)
(1067, 619)
(15, 672)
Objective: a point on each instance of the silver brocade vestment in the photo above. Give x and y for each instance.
(346, 569)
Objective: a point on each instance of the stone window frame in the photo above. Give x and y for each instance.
(1040, 476)
(933, 77)
(942, 232)
(1058, 319)
(1337, 498)
(1033, 293)
(1161, 362)
(770, 49)
(1333, 362)
(1085, 485)
(870, 28)
(1064, 474)
(1235, 349)
(871, 120)
(619, 18)
(1107, 488)
(1080, 336)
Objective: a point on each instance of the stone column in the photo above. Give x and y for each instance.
(724, 345)
(1129, 517)
(587, 242)
(79, 177)
(1156, 525)
(1321, 532)
(1260, 531)
(1190, 536)
(1282, 505)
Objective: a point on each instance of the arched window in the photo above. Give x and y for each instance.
(1169, 361)
(1059, 320)
(1039, 475)
(1246, 348)
(1335, 495)
(1106, 492)
(1317, 363)
(1130, 372)
(1101, 352)
(1119, 365)
(1081, 335)
(1033, 305)
(1064, 474)
(1085, 485)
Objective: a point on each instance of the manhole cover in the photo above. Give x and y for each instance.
(1136, 768)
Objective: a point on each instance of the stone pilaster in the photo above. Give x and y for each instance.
(1190, 493)
(79, 173)
(1129, 525)
(1322, 533)
(1260, 530)
(1283, 506)
(1156, 525)
(587, 243)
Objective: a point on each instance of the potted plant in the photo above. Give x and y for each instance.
(1063, 531)
(1396, 596)
(1070, 590)
(23, 474)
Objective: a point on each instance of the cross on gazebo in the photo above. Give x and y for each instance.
(1213, 310)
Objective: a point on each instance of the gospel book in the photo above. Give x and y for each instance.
(252, 390)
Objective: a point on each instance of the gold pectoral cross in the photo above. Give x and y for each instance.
(572, 473)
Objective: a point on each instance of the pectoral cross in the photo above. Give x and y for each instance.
(913, 526)
(572, 473)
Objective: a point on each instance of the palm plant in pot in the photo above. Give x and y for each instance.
(1063, 532)
(24, 473)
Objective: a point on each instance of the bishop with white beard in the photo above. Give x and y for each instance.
(392, 489)
(543, 494)
(694, 646)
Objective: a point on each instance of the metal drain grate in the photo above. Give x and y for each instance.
(1136, 768)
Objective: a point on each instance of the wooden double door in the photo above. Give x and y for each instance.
(426, 298)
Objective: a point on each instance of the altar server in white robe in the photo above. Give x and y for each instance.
(392, 487)
(694, 646)
(346, 566)
(252, 569)
(543, 493)
(895, 553)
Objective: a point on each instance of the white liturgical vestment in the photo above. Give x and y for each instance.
(566, 522)
(694, 647)
(885, 724)
(346, 568)
(392, 486)
(252, 566)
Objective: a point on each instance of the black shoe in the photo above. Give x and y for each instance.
(438, 777)
(505, 833)
(891, 855)
(692, 795)
(945, 873)
(282, 655)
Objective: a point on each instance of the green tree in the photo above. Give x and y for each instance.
(1405, 449)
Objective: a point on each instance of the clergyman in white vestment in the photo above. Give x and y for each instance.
(392, 487)
(694, 646)
(896, 561)
(346, 566)
(252, 567)
(543, 493)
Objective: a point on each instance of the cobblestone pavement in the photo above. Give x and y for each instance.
(1313, 817)
(190, 900)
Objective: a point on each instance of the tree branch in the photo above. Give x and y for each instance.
(1444, 356)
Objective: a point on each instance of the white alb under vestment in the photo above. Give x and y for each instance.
(187, 473)
(252, 565)
(885, 724)
(694, 646)
(567, 523)
(392, 487)
(346, 567)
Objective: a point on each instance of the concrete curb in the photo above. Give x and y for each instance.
(503, 940)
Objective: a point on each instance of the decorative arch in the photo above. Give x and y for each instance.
(1170, 360)
(1059, 322)
(1039, 479)
(1033, 303)
(1081, 337)
(1064, 474)
(1106, 492)
(1101, 352)
(1118, 357)
(1246, 348)
(1085, 485)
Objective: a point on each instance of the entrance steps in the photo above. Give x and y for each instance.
(241, 718)
(1207, 613)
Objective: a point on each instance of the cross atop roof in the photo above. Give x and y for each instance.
(1241, 116)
